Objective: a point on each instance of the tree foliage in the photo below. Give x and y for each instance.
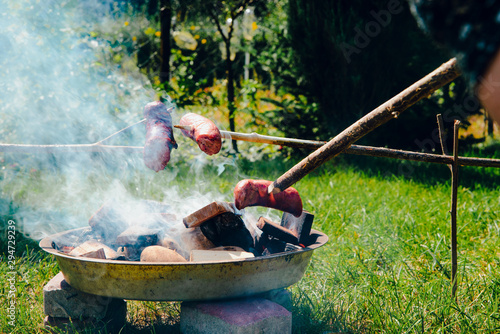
(352, 56)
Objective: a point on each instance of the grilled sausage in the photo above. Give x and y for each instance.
(159, 136)
(203, 131)
(254, 193)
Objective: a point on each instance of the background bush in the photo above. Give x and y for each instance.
(347, 87)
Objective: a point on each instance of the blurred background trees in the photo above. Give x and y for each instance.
(322, 64)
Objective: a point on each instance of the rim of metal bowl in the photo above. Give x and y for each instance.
(319, 239)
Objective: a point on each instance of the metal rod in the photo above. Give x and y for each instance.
(380, 115)
(453, 211)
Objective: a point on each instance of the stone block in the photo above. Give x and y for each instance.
(238, 316)
(60, 300)
(281, 297)
(112, 322)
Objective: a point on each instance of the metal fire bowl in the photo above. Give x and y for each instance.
(189, 281)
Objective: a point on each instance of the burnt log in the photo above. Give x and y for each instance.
(228, 229)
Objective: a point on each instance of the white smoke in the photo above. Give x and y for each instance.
(55, 88)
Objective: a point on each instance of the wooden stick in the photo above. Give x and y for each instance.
(117, 132)
(183, 127)
(442, 134)
(453, 211)
(96, 147)
(257, 138)
(382, 114)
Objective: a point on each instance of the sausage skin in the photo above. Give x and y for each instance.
(203, 131)
(159, 136)
(254, 193)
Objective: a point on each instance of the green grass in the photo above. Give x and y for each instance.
(385, 269)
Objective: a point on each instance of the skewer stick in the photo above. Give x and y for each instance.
(117, 132)
(257, 138)
(380, 115)
(184, 127)
(96, 147)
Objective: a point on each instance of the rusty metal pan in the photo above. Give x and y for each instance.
(190, 281)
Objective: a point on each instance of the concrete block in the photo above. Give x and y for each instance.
(113, 321)
(281, 297)
(60, 300)
(238, 316)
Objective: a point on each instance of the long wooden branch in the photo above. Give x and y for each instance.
(96, 147)
(453, 211)
(257, 138)
(382, 114)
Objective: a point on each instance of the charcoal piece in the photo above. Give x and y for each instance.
(70, 241)
(138, 236)
(170, 243)
(114, 217)
(228, 249)
(121, 253)
(198, 255)
(277, 231)
(108, 222)
(133, 253)
(300, 226)
(90, 247)
(261, 243)
(274, 246)
(292, 247)
(193, 238)
(228, 229)
(207, 212)
(97, 254)
(278, 246)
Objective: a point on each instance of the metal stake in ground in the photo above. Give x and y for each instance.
(382, 114)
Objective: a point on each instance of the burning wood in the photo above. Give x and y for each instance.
(218, 255)
(228, 248)
(208, 212)
(300, 226)
(277, 246)
(160, 254)
(108, 222)
(95, 249)
(138, 236)
(277, 231)
(193, 238)
(170, 243)
(228, 229)
(215, 232)
(98, 254)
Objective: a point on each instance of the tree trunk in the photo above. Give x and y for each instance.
(490, 126)
(230, 91)
(165, 21)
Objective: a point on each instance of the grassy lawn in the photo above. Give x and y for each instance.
(385, 269)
